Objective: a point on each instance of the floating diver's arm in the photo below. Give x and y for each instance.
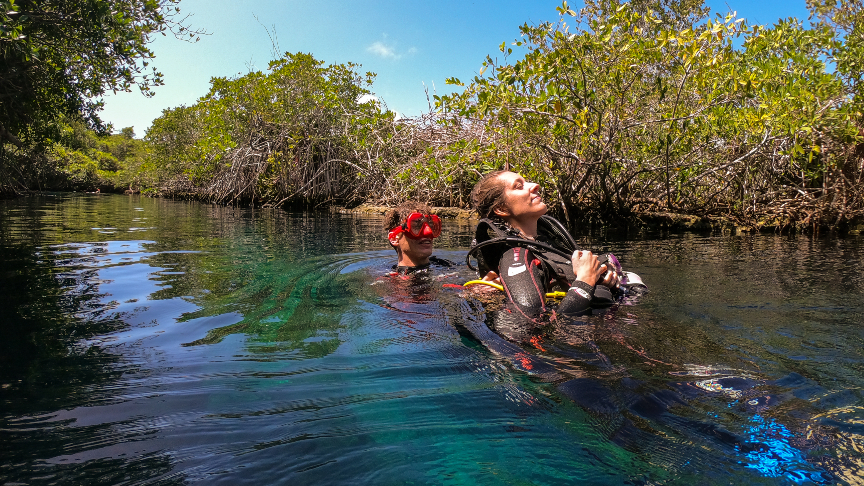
(588, 271)
(524, 281)
(512, 353)
(578, 299)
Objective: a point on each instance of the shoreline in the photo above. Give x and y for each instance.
(647, 219)
(442, 211)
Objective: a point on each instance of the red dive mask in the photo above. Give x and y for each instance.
(418, 226)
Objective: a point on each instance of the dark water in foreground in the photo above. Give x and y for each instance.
(157, 342)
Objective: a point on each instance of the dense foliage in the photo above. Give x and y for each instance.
(294, 134)
(623, 111)
(57, 58)
(87, 161)
(619, 109)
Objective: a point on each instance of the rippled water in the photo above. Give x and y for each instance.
(158, 342)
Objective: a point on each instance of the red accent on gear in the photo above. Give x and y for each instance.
(394, 233)
(535, 340)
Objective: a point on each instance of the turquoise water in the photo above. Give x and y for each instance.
(159, 342)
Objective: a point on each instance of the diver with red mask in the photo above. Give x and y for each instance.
(412, 229)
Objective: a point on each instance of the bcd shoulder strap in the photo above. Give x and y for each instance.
(491, 241)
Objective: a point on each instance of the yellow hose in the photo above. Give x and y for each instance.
(551, 295)
(483, 282)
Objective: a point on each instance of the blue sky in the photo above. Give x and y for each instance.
(407, 43)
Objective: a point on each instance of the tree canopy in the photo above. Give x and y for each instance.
(620, 107)
(57, 57)
(291, 134)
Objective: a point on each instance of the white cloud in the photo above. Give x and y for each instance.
(388, 51)
(383, 50)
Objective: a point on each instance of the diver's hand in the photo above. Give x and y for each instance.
(586, 267)
(611, 279)
(492, 277)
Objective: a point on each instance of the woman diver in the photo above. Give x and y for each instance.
(517, 245)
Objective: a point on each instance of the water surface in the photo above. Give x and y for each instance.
(149, 341)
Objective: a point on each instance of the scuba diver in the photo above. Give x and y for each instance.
(531, 254)
(411, 230)
(638, 414)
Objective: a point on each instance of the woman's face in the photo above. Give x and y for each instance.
(521, 198)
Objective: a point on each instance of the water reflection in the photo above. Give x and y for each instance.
(153, 341)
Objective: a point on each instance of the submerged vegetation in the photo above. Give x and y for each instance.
(619, 109)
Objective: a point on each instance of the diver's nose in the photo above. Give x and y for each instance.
(427, 232)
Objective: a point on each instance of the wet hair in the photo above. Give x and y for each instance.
(396, 216)
(488, 194)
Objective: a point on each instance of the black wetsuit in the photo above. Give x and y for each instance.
(529, 273)
(421, 269)
(526, 282)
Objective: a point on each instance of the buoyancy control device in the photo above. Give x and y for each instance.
(553, 246)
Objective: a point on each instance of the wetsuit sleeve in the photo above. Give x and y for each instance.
(577, 302)
(523, 279)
